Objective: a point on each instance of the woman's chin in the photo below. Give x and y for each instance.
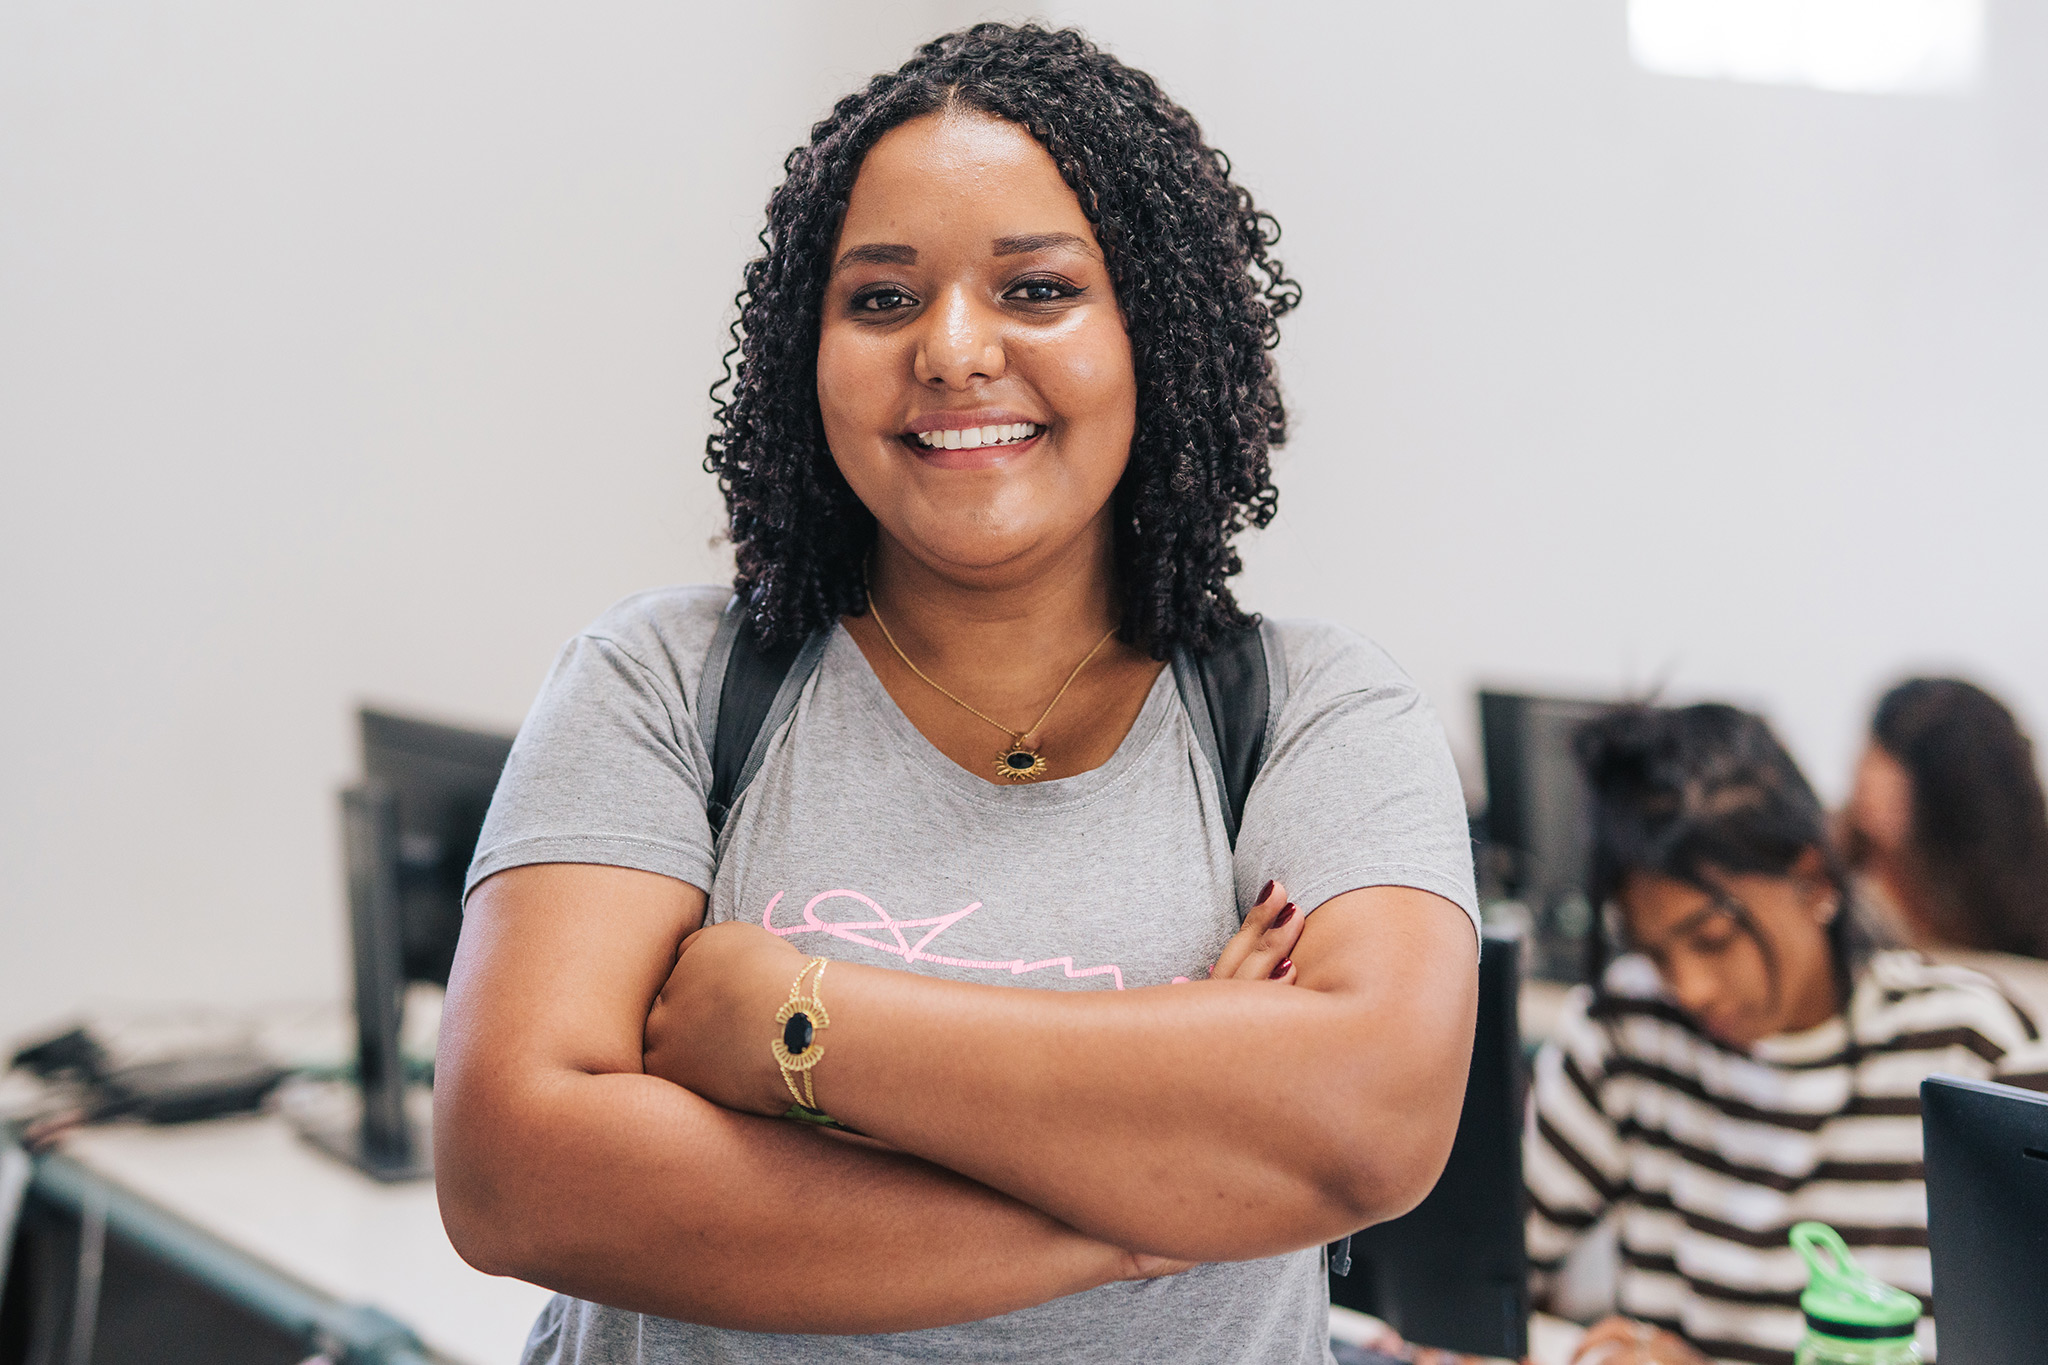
(988, 534)
(975, 553)
(1734, 1033)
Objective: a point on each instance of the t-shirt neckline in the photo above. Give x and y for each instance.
(1053, 792)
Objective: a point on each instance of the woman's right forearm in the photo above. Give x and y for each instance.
(630, 1191)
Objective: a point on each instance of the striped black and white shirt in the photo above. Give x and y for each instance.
(1707, 1155)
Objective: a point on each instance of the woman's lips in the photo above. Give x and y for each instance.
(979, 457)
(964, 420)
(972, 436)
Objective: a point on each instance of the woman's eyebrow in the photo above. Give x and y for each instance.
(877, 253)
(1726, 905)
(1041, 241)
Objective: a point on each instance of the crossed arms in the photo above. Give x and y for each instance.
(601, 1104)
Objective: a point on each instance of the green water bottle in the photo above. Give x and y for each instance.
(1852, 1318)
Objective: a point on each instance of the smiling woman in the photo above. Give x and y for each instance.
(1003, 397)
(1126, 217)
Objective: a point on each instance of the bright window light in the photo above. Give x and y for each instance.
(1868, 46)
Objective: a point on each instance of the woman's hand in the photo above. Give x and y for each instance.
(1140, 1265)
(1261, 948)
(711, 1025)
(1624, 1341)
(1388, 1342)
(1615, 1341)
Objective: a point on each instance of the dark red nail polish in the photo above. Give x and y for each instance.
(1280, 970)
(1286, 914)
(1266, 895)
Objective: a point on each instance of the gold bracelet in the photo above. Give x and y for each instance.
(797, 1050)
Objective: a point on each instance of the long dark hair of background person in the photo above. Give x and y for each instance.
(1978, 851)
(1187, 251)
(1683, 792)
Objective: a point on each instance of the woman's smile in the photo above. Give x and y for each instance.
(971, 440)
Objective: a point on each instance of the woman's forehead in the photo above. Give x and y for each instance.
(1656, 903)
(959, 171)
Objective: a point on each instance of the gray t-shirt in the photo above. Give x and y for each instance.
(859, 841)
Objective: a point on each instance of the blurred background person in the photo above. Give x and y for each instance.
(1752, 1060)
(1947, 824)
(1948, 821)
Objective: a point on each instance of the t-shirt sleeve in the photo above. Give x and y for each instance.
(1357, 787)
(1573, 1165)
(2024, 1060)
(608, 767)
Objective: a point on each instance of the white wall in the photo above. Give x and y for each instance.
(1605, 378)
(361, 353)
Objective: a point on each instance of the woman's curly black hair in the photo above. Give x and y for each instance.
(1187, 254)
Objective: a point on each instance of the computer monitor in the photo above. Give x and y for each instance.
(1538, 824)
(409, 830)
(1986, 1149)
(1452, 1272)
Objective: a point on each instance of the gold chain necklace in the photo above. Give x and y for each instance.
(1019, 762)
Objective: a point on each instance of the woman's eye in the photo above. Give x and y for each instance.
(1711, 943)
(1042, 291)
(881, 301)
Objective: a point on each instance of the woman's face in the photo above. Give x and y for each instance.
(1740, 986)
(1881, 803)
(973, 368)
(1879, 834)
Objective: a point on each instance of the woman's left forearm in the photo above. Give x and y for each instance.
(1213, 1120)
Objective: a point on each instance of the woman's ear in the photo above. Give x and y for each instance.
(1822, 898)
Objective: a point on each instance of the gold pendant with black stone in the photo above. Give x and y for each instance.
(1020, 763)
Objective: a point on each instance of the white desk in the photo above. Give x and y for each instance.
(253, 1184)
(256, 1186)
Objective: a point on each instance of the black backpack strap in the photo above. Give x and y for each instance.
(744, 697)
(1233, 695)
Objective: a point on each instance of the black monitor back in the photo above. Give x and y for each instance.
(441, 778)
(1987, 1219)
(1452, 1272)
(409, 831)
(1538, 820)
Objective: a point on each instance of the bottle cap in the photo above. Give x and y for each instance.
(1844, 1300)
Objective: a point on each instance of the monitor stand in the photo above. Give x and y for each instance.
(376, 1134)
(336, 1127)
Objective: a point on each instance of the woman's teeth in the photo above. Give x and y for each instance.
(974, 438)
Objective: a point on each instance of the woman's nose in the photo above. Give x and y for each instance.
(961, 344)
(1693, 985)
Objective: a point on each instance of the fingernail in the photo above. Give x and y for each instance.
(1280, 970)
(1286, 914)
(1265, 895)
